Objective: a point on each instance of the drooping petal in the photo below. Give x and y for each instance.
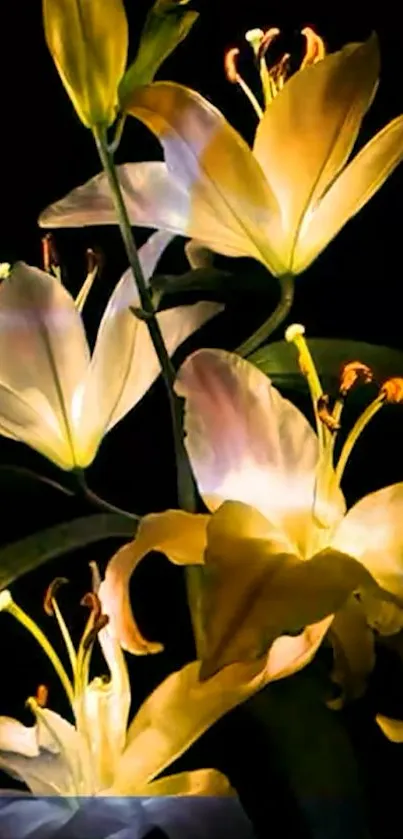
(198, 782)
(153, 198)
(309, 130)
(180, 536)
(45, 774)
(372, 531)
(231, 207)
(49, 355)
(350, 192)
(353, 650)
(255, 592)
(392, 729)
(247, 443)
(18, 738)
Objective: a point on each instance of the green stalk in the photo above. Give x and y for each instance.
(274, 321)
(185, 484)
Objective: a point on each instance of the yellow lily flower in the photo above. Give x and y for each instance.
(278, 550)
(53, 395)
(88, 43)
(281, 202)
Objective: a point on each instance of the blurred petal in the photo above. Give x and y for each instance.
(46, 774)
(153, 198)
(350, 192)
(392, 729)
(372, 531)
(353, 649)
(180, 536)
(247, 443)
(254, 591)
(18, 738)
(198, 782)
(309, 130)
(231, 207)
(49, 359)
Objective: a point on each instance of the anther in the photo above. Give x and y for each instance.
(41, 697)
(351, 373)
(392, 391)
(51, 594)
(230, 65)
(325, 415)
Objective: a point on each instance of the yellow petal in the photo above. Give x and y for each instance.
(353, 649)
(198, 782)
(231, 208)
(180, 536)
(88, 43)
(309, 130)
(350, 192)
(392, 729)
(254, 592)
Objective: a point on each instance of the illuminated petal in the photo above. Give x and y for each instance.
(49, 359)
(254, 591)
(153, 198)
(46, 774)
(353, 649)
(180, 536)
(29, 419)
(231, 207)
(247, 443)
(350, 192)
(372, 531)
(198, 782)
(392, 729)
(309, 130)
(18, 738)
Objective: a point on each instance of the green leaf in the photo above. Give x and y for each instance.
(167, 24)
(20, 557)
(280, 361)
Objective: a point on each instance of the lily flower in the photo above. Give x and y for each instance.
(100, 754)
(280, 202)
(278, 551)
(54, 396)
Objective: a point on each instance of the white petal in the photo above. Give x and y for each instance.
(246, 443)
(50, 352)
(45, 774)
(29, 418)
(372, 531)
(18, 738)
(309, 130)
(350, 192)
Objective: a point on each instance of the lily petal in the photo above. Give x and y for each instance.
(353, 650)
(18, 738)
(231, 207)
(180, 536)
(350, 192)
(246, 443)
(372, 531)
(198, 782)
(392, 729)
(45, 774)
(49, 360)
(254, 591)
(309, 130)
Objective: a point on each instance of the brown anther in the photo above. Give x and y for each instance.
(325, 415)
(230, 67)
(351, 373)
(50, 256)
(279, 71)
(51, 594)
(93, 602)
(99, 624)
(315, 48)
(41, 697)
(392, 390)
(268, 38)
(94, 260)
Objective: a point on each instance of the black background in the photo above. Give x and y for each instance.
(353, 290)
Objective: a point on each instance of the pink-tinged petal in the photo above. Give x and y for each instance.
(309, 130)
(372, 531)
(231, 207)
(350, 192)
(124, 364)
(50, 352)
(246, 443)
(180, 536)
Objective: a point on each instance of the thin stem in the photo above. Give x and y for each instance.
(354, 434)
(114, 145)
(95, 499)
(274, 321)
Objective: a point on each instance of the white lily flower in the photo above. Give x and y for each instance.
(53, 395)
(280, 550)
(100, 754)
(281, 202)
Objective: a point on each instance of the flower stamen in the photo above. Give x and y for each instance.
(315, 49)
(50, 257)
(51, 608)
(93, 267)
(234, 77)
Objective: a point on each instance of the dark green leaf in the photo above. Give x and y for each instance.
(280, 361)
(167, 24)
(20, 557)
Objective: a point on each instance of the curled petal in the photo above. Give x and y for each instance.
(392, 729)
(198, 782)
(180, 536)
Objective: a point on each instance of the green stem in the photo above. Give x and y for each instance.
(95, 499)
(274, 321)
(185, 483)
